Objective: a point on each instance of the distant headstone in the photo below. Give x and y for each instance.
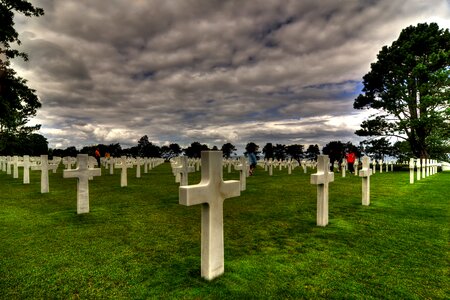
(343, 166)
(138, 165)
(183, 169)
(82, 173)
(418, 166)
(365, 173)
(270, 167)
(124, 166)
(43, 167)
(322, 178)
(423, 164)
(355, 166)
(242, 168)
(411, 170)
(15, 164)
(210, 193)
(26, 164)
(8, 165)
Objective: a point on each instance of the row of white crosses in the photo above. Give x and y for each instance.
(324, 176)
(290, 164)
(34, 163)
(424, 167)
(212, 191)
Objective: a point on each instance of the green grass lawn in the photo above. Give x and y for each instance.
(138, 242)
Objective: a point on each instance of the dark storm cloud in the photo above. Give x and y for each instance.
(211, 71)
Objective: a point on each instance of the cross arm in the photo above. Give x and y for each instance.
(194, 194)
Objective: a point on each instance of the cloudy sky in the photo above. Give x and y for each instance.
(111, 71)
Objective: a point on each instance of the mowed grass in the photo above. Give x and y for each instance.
(137, 242)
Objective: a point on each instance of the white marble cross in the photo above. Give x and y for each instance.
(418, 166)
(270, 167)
(374, 166)
(210, 193)
(8, 165)
(411, 170)
(355, 167)
(423, 164)
(138, 164)
(322, 178)
(26, 164)
(183, 169)
(15, 163)
(43, 167)
(343, 166)
(242, 168)
(380, 162)
(304, 166)
(124, 166)
(365, 173)
(82, 173)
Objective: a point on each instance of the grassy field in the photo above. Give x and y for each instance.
(138, 242)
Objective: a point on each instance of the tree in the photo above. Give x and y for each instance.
(312, 152)
(148, 149)
(228, 149)
(195, 150)
(295, 151)
(410, 87)
(17, 102)
(8, 33)
(268, 151)
(279, 151)
(335, 150)
(378, 149)
(252, 147)
(173, 150)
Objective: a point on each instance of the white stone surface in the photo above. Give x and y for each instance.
(365, 173)
(411, 170)
(26, 164)
(419, 168)
(82, 173)
(242, 168)
(44, 168)
(211, 193)
(322, 178)
(124, 165)
(343, 167)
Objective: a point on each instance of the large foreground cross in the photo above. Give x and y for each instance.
(210, 193)
(82, 172)
(321, 179)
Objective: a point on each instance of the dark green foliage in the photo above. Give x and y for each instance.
(148, 149)
(139, 243)
(252, 147)
(378, 149)
(23, 144)
(8, 34)
(279, 151)
(18, 103)
(312, 152)
(268, 151)
(410, 86)
(195, 149)
(228, 149)
(295, 151)
(173, 150)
